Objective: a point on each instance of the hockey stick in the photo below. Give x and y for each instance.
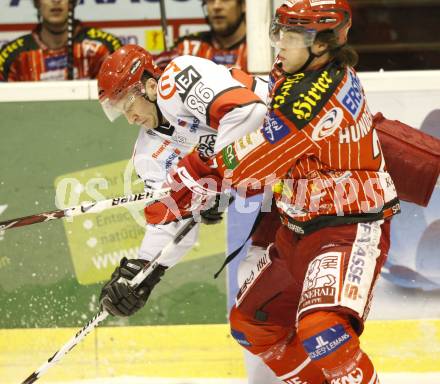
(102, 315)
(163, 20)
(70, 42)
(86, 207)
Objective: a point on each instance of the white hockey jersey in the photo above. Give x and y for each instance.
(207, 107)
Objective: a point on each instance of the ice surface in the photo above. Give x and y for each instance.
(385, 378)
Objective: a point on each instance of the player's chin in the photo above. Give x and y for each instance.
(57, 21)
(221, 28)
(149, 123)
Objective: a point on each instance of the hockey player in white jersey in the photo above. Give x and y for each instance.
(194, 103)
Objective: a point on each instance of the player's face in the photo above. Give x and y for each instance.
(224, 15)
(293, 59)
(142, 112)
(292, 52)
(54, 12)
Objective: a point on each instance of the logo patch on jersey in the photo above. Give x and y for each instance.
(305, 107)
(195, 125)
(224, 59)
(251, 270)
(248, 143)
(274, 129)
(285, 89)
(351, 96)
(55, 62)
(328, 124)
(358, 131)
(206, 145)
(8, 50)
(185, 80)
(167, 85)
(192, 91)
(170, 159)
(321, 285)
(240, 337)
(354, 377)
(360, 270)
(160, 150)
(326, 342)
(308, 96)
(229, 157)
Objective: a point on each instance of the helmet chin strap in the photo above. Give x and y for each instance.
(312, 56)
(309, 60)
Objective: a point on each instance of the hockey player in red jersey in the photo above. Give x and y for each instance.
(44, 53)
(224, 43)
(320, 151)
(303, 301)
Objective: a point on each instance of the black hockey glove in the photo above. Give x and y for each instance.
(118, 298)
(214, 214)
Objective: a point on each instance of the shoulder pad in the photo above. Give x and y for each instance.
(10, 51)
(302, 95)
(109, 40)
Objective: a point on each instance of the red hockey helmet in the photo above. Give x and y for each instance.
(121, 73)
(312, 17)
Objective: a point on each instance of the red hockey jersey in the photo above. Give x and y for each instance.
(28, 59)
(319, 148)
(203, 44)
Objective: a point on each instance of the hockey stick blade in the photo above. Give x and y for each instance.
(102, 315)
(85, 207)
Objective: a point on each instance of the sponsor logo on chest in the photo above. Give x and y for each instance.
(192, 90)
(55, 62)
(224, 58)
(351, 96)
(162, 148)
(185, 80)
(358, 131)
(284, 92)
(308, 100)
(328, 124)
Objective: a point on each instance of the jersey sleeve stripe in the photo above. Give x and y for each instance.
(247, 80)
(253, 166)
(226, 101)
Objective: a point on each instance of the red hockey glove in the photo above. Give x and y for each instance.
(194, 185)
